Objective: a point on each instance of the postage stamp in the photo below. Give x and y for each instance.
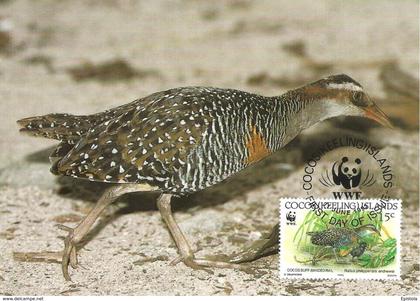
(346, 239)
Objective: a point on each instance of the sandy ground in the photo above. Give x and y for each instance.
(49, 50)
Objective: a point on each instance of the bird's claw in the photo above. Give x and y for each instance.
(189, 261)
(181, 258)
(69, 253)
(205, 263)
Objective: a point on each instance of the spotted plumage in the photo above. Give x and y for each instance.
(339, 237)
(181, 140)
(334, 237)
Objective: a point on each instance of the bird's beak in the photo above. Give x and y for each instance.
(375, 113)
(377, 231)
(373, 229)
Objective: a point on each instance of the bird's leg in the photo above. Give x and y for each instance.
(335, 254)
(164, 205)
(77, 234)
(317, 255)
(336, 258)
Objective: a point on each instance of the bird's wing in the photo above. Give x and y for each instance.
(145, 142)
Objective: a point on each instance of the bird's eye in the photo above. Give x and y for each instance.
(358, 98)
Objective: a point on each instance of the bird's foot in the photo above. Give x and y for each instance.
(227, 264)
(217, 264)
(70, 251)
(205, 263)
(180, 258)
(341, 262)
(265, 246)
(45, 256)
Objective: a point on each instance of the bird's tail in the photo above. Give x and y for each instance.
(56, 126)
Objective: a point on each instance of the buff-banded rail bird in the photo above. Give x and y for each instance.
(183, 140)
(343, 240)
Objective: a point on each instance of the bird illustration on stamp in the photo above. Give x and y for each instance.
(343, 240)
(184, 140)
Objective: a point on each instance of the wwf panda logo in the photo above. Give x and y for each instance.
(291, 216)
(348, 174)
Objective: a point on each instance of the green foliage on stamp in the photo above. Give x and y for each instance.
(384, 255)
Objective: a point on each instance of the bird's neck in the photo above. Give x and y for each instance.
(297, 111)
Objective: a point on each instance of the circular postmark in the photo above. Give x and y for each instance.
(348, 168)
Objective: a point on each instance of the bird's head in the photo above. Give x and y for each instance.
(342, 95)
(368, 227)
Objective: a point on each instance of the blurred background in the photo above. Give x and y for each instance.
(86, 56)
